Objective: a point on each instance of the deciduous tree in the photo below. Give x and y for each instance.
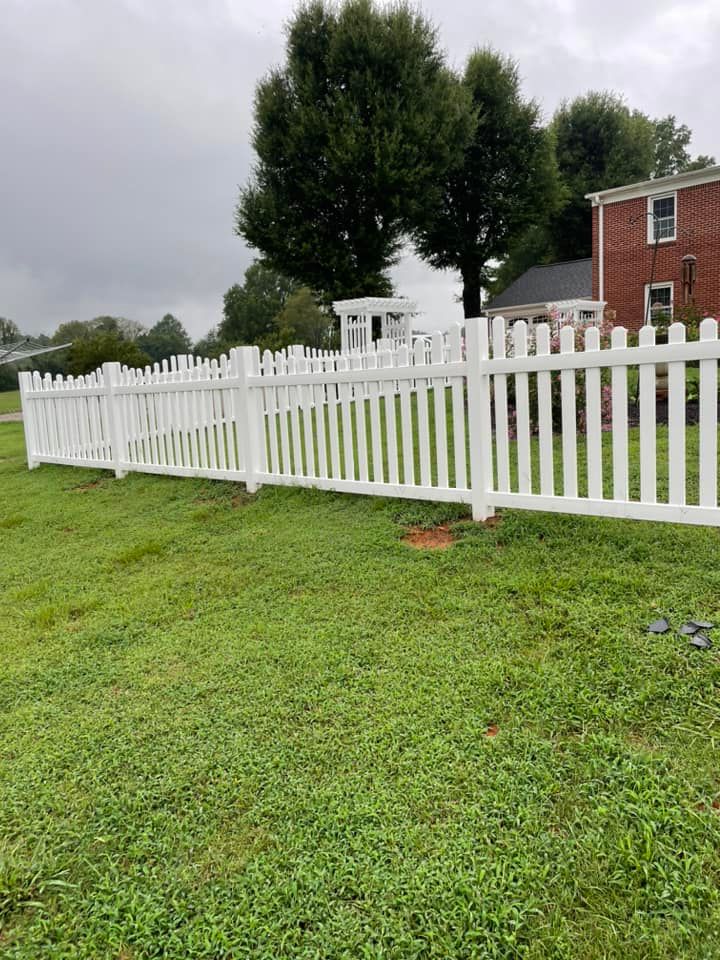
(167, 338)
(303, 321)
(354, 135)
(89, 353)
(250, 308)
(507, 179)
(9, 330)
(671, 149)
(599, 143)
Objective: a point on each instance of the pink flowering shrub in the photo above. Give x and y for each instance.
(556, 389)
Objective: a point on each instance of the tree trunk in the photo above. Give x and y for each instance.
(471, 291)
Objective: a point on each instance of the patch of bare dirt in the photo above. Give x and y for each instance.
(89, 485)
(432, 538)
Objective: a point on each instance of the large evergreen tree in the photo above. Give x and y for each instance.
(353, 136)
(507, 179)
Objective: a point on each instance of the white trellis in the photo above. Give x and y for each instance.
(578, 313)
(356, 322)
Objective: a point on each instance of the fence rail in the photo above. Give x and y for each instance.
(495, 420)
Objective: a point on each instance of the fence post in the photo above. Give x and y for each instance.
(245, 361)
(479, 419)
(28, 415)
(111, 379)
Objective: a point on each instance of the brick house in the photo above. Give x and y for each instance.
(677, 219)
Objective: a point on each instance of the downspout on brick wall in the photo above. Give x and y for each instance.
(601, 248)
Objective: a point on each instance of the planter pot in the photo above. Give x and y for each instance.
(661, 380)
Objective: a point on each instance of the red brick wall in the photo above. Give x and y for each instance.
(628, 255)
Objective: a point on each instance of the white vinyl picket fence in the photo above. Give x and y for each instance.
(467, 421)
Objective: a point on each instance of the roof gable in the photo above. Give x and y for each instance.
(546, 283)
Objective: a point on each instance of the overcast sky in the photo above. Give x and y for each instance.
(125, 126)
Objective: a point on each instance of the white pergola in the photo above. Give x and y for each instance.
(356, 322)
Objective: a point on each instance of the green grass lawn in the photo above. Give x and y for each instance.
(256, 727)
(9, 401)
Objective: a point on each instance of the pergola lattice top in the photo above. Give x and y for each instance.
(356, 321)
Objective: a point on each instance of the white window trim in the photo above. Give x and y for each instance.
(647, 315)
(651, 220)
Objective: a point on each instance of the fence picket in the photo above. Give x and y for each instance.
(457, 390)
(388, 393)
(568, 417)
(406, 424)
(438, 387)
(345, 396)
(319, 404)
(522, 411)
(359, 391)
(708, 420)
(502, 446)
(294, 398)
(219, 397)
(648, 417)
(306, 407)
(270, 405)
(676, 421)
(593, 419)
(149, 404)
(421, 400)
(544, 390)
(333, 412)
(619, 400)
(378, 471)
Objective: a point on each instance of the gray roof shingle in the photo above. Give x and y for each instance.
(547, 283)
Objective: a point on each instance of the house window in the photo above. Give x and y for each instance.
(661, 222)
(658, 302)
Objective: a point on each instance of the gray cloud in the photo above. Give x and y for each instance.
(125, 129)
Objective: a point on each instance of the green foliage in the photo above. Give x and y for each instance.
(257, 727)
(353, 135)
(73, 330)
(302, 321)
(104, 338)
(506, 182)
(167, 338)
(9, 330)
(250, 309)
(211, 345)
(89, 353)
(600, 143)
(671, 149)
